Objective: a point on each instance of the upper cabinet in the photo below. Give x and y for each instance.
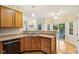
(6, 17)
(10, 18)
(18, 19)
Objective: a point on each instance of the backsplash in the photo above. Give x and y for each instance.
(5, 31)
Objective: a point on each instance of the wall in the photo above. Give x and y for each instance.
(9, 31)
(71, 38)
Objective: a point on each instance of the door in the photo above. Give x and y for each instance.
(18, 19)
(61, 31)
(61, 36)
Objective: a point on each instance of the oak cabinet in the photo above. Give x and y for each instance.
(36, 43)
(28, 44)
(18, 19)
(3, 17)
(53, 45)
(46, 45)
(10, 18)
(32, 44)
(22, 44)
(1, 47)
(6, 17)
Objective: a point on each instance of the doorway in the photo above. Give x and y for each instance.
(61, 31)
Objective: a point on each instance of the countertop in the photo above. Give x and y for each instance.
(14, 36)
(10, 37)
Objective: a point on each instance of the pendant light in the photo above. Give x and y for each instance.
(33, 13)
(55, 15)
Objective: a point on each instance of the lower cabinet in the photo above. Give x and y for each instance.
(53, 45)
(46, 45)
(32, 44)
(36, 43)
(28, 44)
(1, 47)
(22, 44)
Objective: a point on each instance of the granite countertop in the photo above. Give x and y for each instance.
(10, 37)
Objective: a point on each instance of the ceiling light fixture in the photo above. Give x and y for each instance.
(33, 8)
(33, 14)
(55, 15)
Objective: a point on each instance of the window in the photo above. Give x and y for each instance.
(71, 28)
(48, 27)
(55, 27)
(39, 26)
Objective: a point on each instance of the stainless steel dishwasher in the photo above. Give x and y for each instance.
(11, 46)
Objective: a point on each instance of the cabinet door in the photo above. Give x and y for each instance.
(10, 18)
(18, 19)
(36, 43)
(1, 48)
(28, 44)
(3, 17)
(46, 45)
(53, 45)
(22, 44)
(7, 17)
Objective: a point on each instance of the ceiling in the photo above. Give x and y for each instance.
(43, 11)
